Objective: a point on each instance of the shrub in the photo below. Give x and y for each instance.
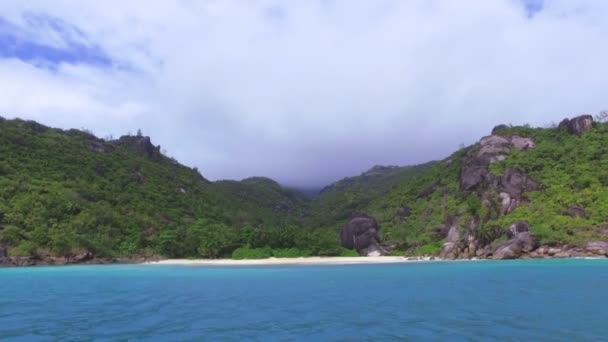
(251, 253)
(431, 248)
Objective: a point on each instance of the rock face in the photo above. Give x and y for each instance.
(521, 143)
(513, 248)
(511, 186)
(518, 227)
(82, 257)
(142, 145)
(362, 233)
(475, 171)
(507, 188)
(520, 241)
(597, 247)
(99, 146)
(577, 125)
(450, 248)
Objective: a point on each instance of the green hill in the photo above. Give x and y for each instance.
(63, 193)
(68, 195)
(338, 201)
(553, 180)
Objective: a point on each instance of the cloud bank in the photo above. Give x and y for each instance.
(305, 92)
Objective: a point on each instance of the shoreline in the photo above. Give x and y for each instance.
(310, 261)
(292, 261)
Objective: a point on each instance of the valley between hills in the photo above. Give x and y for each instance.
(67, 196)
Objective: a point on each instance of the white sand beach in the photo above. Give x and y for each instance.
(289, 261)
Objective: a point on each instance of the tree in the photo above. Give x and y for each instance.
(216, 239)
(602, 116)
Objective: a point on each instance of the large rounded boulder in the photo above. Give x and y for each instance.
(362, 233)
(577, 125)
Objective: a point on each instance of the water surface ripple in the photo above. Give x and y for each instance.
(552, 300)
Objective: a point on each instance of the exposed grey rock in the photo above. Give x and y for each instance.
(475, 172)
(99, 146)
(82, 257)
(141, 144)
(563, 254)
(576, 212)
(481, 252)
(518, 227)
(597, 247)
(449, 250)
(522, 143)
(2, 252)
(510, 249)
(515, 183)
(513, 248)
(577, 125)
(362, 233)
(23, 261)
(529, 243)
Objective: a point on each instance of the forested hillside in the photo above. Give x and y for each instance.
(69, 193)
(68, 196)
(549, 183)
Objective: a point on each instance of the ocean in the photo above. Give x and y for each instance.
(540, 300)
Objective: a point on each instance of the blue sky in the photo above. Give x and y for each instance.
(15, 43)
(304, 92)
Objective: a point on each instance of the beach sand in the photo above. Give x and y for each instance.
(289, 261)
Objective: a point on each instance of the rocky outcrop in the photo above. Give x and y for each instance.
(522, 143)
(597, 247)
(577, 125)
(501, 193)
(521, 241)
(575, 212)
(99, 146)
(82, 257)
(511, 186)
(518, 227)
(362, 233)
(514, 247)
(451, 248)
(141, 144)
(475, 171)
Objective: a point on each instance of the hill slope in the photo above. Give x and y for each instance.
(67, 196)
(68, 193)
(549, 184)
(338, 201)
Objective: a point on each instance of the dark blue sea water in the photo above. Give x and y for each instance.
(551, 300)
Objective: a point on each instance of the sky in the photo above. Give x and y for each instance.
(304, 92)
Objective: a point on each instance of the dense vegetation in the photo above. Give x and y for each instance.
(65, 192)
(572, 171)
(338, 201)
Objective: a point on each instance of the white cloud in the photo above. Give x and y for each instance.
(307, 92)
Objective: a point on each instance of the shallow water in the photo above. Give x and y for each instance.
(509, 300)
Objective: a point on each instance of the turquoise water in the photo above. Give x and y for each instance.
(548, 300)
